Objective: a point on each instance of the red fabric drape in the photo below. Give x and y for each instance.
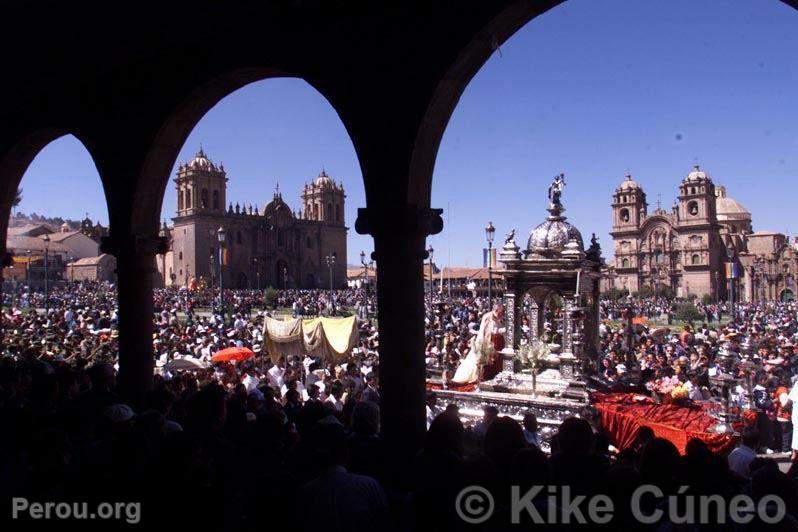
(453, 386)
(622, 416)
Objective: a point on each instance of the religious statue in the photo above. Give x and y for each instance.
(489, 341)
(555, 189)
(510, 237)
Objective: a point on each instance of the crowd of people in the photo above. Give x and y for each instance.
(296, 442)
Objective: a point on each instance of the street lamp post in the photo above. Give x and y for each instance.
(430, 251)
(211, 273)
(730, 256)
(330, 259)
(365, 270)
(489, 232)
(27, 271)
(221, 237)
(46, 239)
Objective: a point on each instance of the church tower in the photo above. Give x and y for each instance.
(201, 187)
(201, 194)
(323, 200)
(629, 209)
(699, 233)
(629, 206)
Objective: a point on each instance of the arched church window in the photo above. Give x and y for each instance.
(329, 211)
(180, 201)
(280, 238)
(625, 263)
(188, 198)
(204, 198)
(216, 200)
(337, 213)
(624, 215)
(658, 257)
(692, 208)
(695, 259)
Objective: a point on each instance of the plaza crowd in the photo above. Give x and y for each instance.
(296, 444)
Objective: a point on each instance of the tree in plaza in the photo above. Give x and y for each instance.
(614, 294)
(707, 299)
(645, 292)
(688, 313)
(270, 297)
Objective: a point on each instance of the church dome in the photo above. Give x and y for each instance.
(729, 208)
(697, 175)
(629, 184)
(552, 236)
(201, 162)
(323, 180)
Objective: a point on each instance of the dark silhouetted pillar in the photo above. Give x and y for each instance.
(135, 276)
(399, 240)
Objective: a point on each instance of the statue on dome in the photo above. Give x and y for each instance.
(510, 237)
(555, 189)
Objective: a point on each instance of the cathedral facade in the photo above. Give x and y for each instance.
(691, 247)
(275, 246)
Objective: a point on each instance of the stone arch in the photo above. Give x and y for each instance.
(502, 21)
(183, 118)
(18, 158)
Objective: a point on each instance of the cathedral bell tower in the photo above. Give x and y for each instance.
(629, 209)
(629, 206)
(201, 187)
(697, 199)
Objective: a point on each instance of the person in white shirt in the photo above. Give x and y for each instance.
(531, 429)
(275, 374)
(740, 458)
(334, 398)
(793, 399)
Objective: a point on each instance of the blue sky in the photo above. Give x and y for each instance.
(591, 88)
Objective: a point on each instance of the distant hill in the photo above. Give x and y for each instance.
(21, 218)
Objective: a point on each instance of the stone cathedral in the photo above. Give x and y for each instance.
(269, 246)
(686, 248)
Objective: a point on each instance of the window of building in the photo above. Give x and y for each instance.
(692, 208)
(180, 256)
(238, 237)
(329, 212)
(180, 201)
(625, 263)
(658, 256)
(310, 243)
(624, 215)
(216, 200)
(696, 259)
(337, 213)
(204, 198)
(280, 238)
(188, 199)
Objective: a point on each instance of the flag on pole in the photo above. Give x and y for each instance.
(732, 270)
(489, 257)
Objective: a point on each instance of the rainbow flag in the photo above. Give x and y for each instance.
(492, 258)
(732, 270)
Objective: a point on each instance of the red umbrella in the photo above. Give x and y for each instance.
(232, 353)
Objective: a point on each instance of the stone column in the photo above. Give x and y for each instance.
(135, 270)
(537, 319)
(513, 335)
(399, 240)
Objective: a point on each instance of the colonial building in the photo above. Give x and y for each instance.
(687, 248)
(275, 246)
